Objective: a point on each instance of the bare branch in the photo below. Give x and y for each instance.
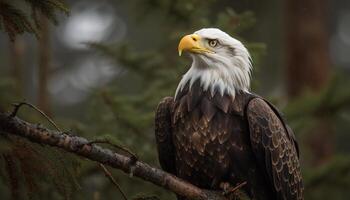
(80, 146)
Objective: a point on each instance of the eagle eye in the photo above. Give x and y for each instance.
(213, 43)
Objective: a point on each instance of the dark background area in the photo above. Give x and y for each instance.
(103, 69)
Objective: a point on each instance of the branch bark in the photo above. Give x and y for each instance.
(81, 146)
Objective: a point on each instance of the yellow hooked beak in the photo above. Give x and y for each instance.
(192, 43)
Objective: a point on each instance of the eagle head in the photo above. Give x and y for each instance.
(220, 62)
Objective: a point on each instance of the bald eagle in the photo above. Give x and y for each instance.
(215, 131)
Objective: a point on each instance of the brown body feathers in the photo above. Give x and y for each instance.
(208, 140)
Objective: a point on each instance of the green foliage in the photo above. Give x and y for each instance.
(14, 21)
(329, 103)
(14, 17)
(331, 181)
(26, 168)
(48, 8)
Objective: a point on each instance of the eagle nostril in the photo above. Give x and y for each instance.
(194, 38)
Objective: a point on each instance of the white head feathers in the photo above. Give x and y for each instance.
(225, 69)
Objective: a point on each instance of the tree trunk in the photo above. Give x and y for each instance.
(308, 64)
(16, 61)
(308, 60)
(44, 65)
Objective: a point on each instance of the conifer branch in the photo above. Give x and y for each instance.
(80, 146)
(15, 20)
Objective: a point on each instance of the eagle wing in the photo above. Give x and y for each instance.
(275, 150)
(163, 134)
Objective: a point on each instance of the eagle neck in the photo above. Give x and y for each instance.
(213, 80)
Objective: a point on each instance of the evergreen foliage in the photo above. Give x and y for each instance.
(331, 181)
(26, 168)
(23, 16)
(332, 102)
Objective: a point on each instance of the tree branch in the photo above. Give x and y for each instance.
(81, 146)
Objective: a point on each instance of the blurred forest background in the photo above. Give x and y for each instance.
(102, 69)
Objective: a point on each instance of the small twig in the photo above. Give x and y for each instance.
(234, 189)
(111, 178)
(18, 105)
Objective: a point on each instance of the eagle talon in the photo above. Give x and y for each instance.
(225, 186)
